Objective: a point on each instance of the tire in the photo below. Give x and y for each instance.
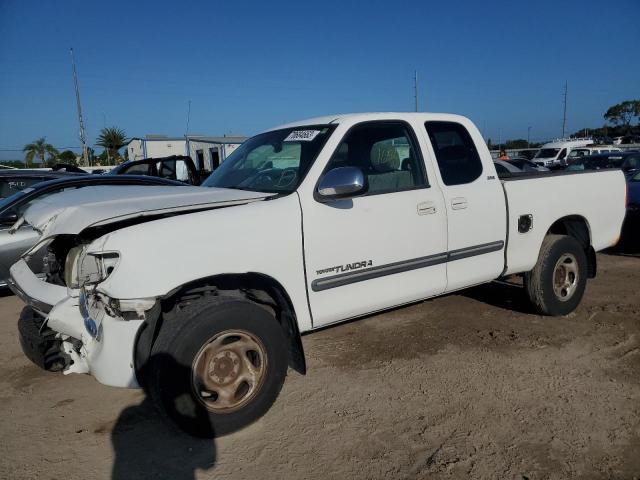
(562, 261)
(196, 349)
(40, 344)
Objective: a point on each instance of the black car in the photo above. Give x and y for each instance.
(15, 241)
(14, 180)
(626, 161)
(175, 167)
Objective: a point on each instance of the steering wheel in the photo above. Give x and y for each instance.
(287, 177)
(264, 178)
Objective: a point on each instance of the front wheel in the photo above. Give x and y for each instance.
(557, 283)
(217, 366)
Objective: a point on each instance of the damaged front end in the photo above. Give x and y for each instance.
(79, 329)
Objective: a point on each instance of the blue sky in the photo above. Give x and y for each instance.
(247, 66)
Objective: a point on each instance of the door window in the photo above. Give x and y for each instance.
(136, 169)
(563, 154)
(386, 153)
(456, 154)
(214, 153)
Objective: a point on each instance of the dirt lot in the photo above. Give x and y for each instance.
(468, 385)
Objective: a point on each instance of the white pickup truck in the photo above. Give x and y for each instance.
(200, 295)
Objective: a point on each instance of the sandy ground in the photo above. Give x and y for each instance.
(468, 385)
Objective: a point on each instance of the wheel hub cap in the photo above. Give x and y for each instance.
(229, 370)
(565, 277)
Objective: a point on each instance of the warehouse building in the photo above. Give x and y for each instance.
(207, 152)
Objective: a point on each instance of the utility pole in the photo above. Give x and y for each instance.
(528, 137)
(564, 114)
(83, 139)
(188, 118)
(415, 87)
(187, 147)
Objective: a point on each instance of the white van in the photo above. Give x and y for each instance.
(555, 153)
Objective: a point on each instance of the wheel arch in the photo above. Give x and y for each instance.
(257, 287)
(578, 227)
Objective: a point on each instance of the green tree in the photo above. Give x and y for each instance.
(68, 157)
(112, 139)
(623, 113)
(38, 148)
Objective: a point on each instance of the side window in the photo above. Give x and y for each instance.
(456, 154)
(563, 154)
(182, 171)
(386, 153)
(139, 169)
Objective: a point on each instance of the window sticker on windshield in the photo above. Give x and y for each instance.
(302, 136)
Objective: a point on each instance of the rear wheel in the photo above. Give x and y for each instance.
(217, 365)
(556, 284)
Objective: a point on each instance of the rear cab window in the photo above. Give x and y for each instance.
(456, 154)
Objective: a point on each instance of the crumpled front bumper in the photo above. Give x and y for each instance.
(39, 295)
(109, 357)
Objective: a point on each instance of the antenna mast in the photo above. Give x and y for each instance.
(564, 114)
(83, 140)
(415, 87)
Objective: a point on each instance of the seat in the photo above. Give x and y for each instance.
(385, 175)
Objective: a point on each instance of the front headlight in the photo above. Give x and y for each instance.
(83, 268)
(71, 267)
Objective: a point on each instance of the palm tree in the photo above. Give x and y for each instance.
(112, 139)
(38, 148)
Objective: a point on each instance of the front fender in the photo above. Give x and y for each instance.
(159, 256)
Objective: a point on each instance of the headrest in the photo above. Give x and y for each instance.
(384, 158)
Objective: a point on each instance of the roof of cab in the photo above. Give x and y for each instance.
(361, 117)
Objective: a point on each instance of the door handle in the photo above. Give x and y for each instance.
(458, 203)
(426, 208)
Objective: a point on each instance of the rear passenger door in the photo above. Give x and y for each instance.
(381, 249)
(474, 199)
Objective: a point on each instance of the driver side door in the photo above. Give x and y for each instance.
(384, 248)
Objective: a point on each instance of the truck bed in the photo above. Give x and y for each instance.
(597, 197)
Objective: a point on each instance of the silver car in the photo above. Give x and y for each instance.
(15, 239)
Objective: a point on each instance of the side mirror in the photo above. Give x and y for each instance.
(341, 182)
(8, 218)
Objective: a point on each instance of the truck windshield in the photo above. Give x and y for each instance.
(547, 153)
(274, 162)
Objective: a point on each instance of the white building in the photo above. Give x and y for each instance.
(206, 152)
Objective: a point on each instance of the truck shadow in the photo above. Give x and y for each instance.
(148, 446)
(501, 294)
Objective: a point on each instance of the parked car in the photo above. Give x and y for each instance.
(590, 150)
(504, 167)
(517, 166)
(12, 181)
(527, 153)
(633, 196)
(200, 295)
(630, 139)
(175, 167)
(527, 165)
(17, 239)
(626, 161)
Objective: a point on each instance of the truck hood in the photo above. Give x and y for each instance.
(72, 211)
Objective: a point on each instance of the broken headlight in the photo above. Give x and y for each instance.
(82, 268)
